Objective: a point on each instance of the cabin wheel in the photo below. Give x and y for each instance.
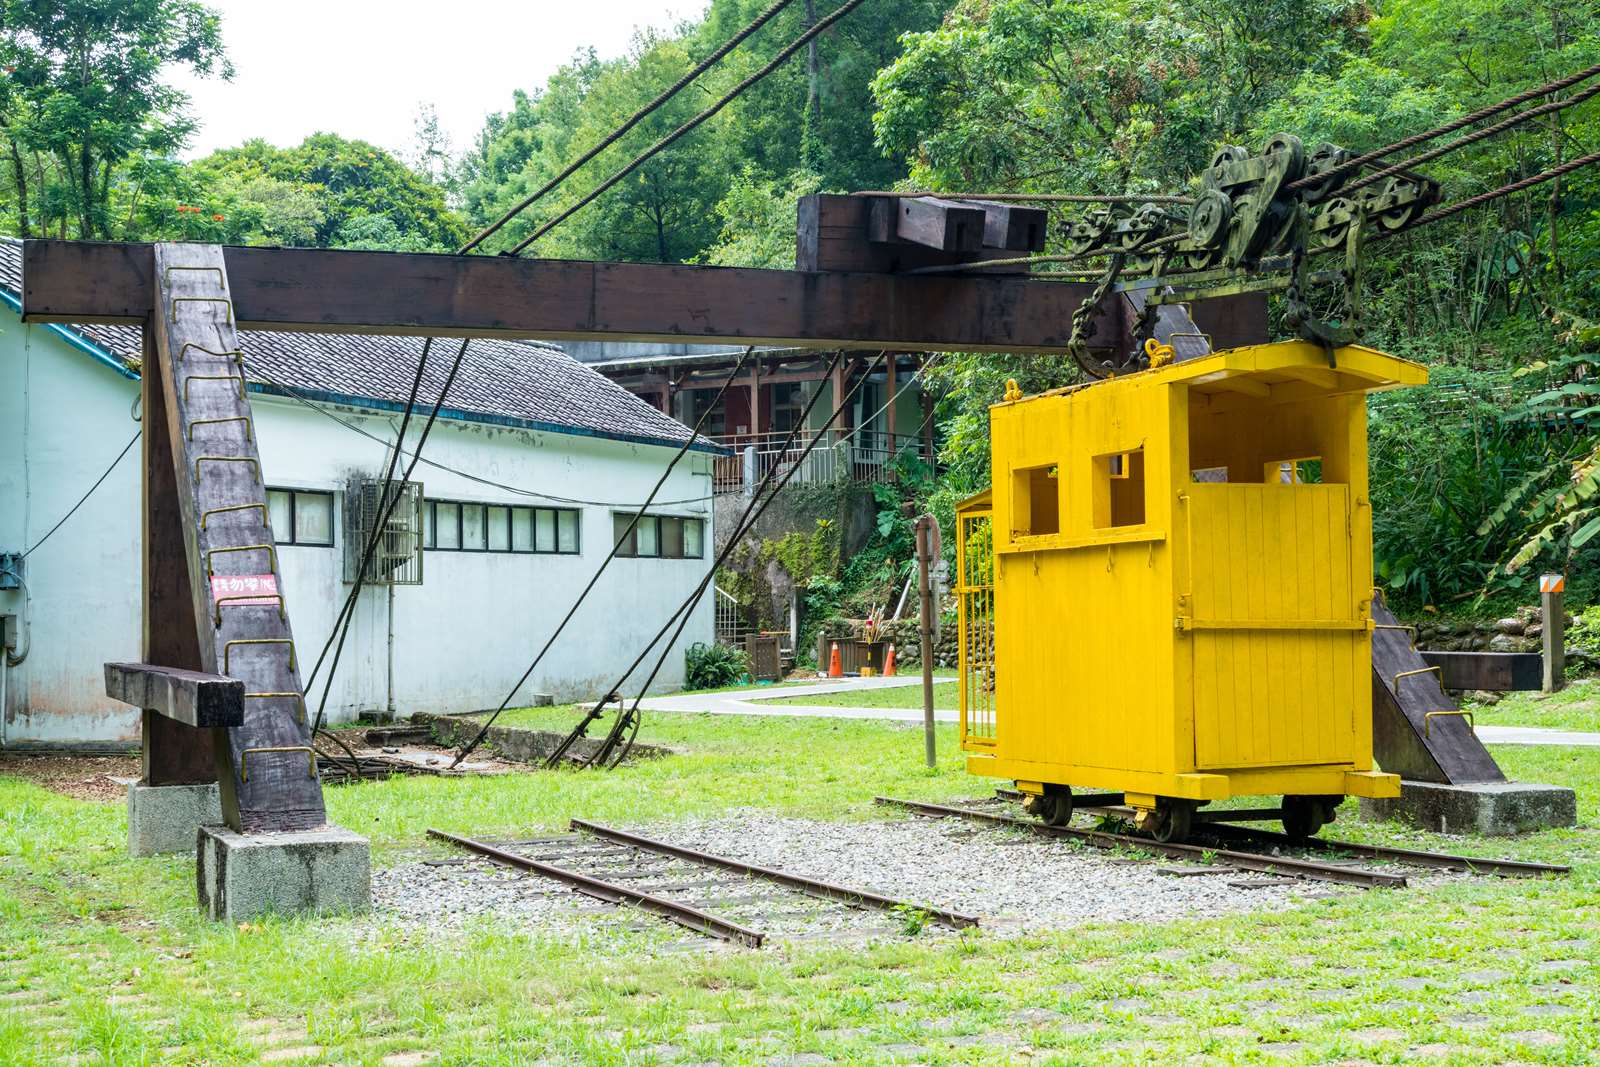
(1174, 819)
(1055, 807)
(1304, 816)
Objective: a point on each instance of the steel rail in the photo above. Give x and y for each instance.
(810, 886)
(1440, 860)
(1309, 869)
(1445, 861)
(673, 911)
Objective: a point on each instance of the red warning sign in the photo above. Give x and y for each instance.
(245, 588)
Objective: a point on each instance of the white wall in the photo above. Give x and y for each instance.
(462, 637)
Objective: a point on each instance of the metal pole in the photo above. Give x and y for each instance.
(1552, 595)
(925, 592)
(389, 683)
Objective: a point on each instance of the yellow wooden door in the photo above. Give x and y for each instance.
(1274, 620)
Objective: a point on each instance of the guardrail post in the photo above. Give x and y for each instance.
(747, 469)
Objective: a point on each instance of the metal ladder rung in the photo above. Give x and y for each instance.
(227, 649)
(206, 514)
(272, 556)
(224, 301)
(245, 600)
(249, 426)
(256, 463)
(299, 698)
(311, 758)
(192, 378)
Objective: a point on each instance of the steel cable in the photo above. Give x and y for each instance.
(777, 61)
(616, 544)
(603, 755)
(1495, 194)
(593, 713)
(1449, 127)
(632, 120)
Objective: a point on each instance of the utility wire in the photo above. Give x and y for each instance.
(617, 540)
(1043, 198)
(630, 721)
(633, 120)
(777, 61)
(560, 752)
(97, 483)
(320, 409)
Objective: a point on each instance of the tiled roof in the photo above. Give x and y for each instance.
(517, 383)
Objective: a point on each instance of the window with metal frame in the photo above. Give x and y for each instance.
(301, 516)
(462, 526)
(658, 536)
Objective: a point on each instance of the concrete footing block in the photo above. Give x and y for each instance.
(1488, 808)
(165, 818)
(307, 872)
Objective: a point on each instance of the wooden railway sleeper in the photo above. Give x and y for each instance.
(298, 698)
(190, 379)
(1427, 720)
(311, 758)
(227, 648)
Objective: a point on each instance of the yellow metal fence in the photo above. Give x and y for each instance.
(975, 604)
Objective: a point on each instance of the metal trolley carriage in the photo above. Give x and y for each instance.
(1168, 594)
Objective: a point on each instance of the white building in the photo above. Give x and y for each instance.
(532, 459)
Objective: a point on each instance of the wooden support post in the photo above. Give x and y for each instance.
(927, 420)
(755, 395)
(212, 555)
(1552, 596)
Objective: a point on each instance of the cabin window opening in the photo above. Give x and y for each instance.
(1119, 489)
(1303, 471)
(1209, 474)
(1036, 503)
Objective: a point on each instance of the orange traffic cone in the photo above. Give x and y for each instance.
(888, 663)
(835, 667)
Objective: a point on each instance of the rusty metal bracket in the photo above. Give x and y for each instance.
(233, 355)
(1427, 720)
(272, 556)
(243, 600)
(249, 426)
(227, 649)
(206, 514)
(224, 301)
(1394, 683)
(311, 758)
(227, 459)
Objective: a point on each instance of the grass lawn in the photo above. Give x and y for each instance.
(103, 959)
(946, 696)
(1577, 707)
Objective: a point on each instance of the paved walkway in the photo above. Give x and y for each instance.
(759, 701)
(763, 702)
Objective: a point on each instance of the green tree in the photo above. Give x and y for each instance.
(324, 192)
(82, 91)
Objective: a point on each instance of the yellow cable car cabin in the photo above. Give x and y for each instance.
(1167, 593)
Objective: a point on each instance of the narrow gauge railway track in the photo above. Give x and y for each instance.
(623, 864)
(1287, 866)
(1249, 835)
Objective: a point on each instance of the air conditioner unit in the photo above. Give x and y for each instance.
(397, 557)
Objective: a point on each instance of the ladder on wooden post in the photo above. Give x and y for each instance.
(214, 597)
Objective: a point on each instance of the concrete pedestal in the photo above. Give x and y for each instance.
(1489, 808)
(307, 872)
(165, 818)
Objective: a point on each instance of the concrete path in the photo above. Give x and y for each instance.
(759, 701)
(1535, 735)
(764, 702)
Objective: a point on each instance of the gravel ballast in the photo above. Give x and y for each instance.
(1013, 881)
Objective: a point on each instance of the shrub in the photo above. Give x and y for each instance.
(713, 666)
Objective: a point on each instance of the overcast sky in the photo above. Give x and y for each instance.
(360, 68)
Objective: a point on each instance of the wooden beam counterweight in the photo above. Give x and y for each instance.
(391, 293)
